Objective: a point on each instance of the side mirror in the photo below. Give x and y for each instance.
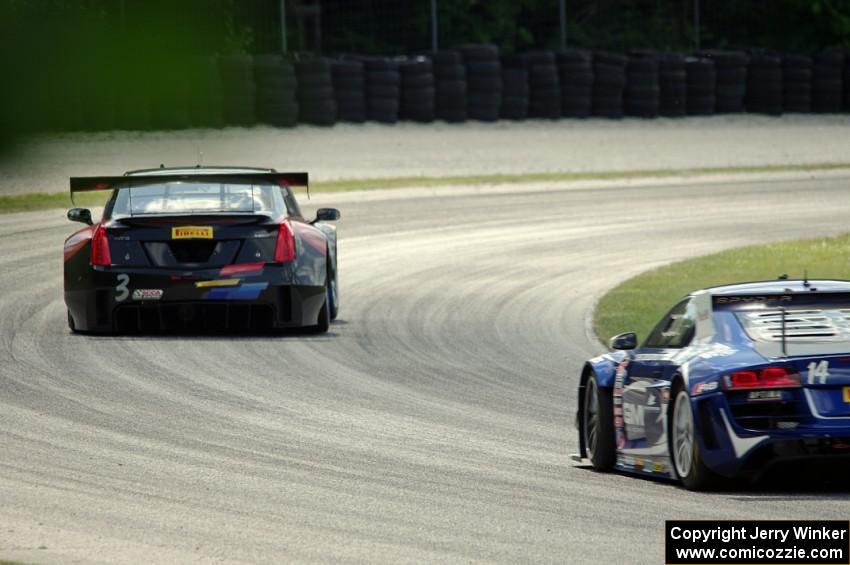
(624, 341)
(326, 215)
(82, 215)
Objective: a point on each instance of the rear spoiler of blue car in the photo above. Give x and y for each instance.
(89, 184)
(776, 301)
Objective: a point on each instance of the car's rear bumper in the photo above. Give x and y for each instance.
(146, 301)
(731, 450)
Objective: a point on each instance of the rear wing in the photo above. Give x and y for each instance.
(89, 184)
(778, 301)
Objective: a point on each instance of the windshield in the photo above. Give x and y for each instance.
(207, 197)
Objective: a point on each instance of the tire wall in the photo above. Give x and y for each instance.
(476, 82)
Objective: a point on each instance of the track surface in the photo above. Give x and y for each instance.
(433, 424)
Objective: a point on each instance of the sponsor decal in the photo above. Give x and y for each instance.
(633, 414)
(718, 350)
(217, 283)
(147, 294)
(656, 356)
(249, 291)
(757, 395)
(847, 394)
(751, 299)
(244, 269)
(192, 232)
(701, 388)
(619, 377)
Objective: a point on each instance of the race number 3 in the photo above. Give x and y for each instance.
(818, 371)
(121, 290)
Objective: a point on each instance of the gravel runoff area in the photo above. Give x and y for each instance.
(403, 150)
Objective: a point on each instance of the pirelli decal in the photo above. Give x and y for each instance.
(192, 232)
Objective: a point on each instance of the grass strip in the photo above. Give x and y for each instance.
(638, 303)
(41, 201)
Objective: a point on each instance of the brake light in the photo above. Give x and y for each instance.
(100, 248)
(769, 377)
(285, 248)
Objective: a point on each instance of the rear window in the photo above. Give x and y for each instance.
(198, 198)
(825, 323)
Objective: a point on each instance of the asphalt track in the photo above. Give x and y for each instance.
(431, 425)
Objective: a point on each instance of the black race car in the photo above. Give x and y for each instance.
(200, 249)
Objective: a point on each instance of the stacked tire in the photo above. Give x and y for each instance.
(609, 83)
(701, 80)
(170, 101)
(544, 99)
(483, 81)
(643, 93)
(672, 85)
(846, 80)
(383, 88)
(349, 82)
(515, 90)
(731, 87)
(449, 86)
(827, 82)
(764, 84)
(316, 102)
(575, 76)
(276, 91)
(205, 97)
(238, 90)
(417, 90)
(797, 83)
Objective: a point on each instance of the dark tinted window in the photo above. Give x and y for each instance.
(291, 203)
(676, 329)
(197, 197)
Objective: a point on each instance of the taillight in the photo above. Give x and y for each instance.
(100, 248)
(769, 377)
(285, 248)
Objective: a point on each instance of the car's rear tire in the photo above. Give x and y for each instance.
(598, 426)
(685, 453)
(71, 325)
(324, 321)
(333, 295)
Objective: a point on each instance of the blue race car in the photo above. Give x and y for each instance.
(732, 380)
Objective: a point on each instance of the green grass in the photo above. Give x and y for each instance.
(498, 178)
(40, 201)
(43, 201)
(638, 303)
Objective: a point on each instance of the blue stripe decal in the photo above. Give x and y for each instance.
(250, 291)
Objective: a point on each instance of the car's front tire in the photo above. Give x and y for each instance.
(598, 426)
(684, 448)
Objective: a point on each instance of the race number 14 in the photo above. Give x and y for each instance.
(818, 371)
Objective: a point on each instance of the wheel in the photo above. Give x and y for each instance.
(324, 320)
(333, 296)
(598, 426)
(71, 325)
(684, 448)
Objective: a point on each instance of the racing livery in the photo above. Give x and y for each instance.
(200, 248)
(731, 381)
